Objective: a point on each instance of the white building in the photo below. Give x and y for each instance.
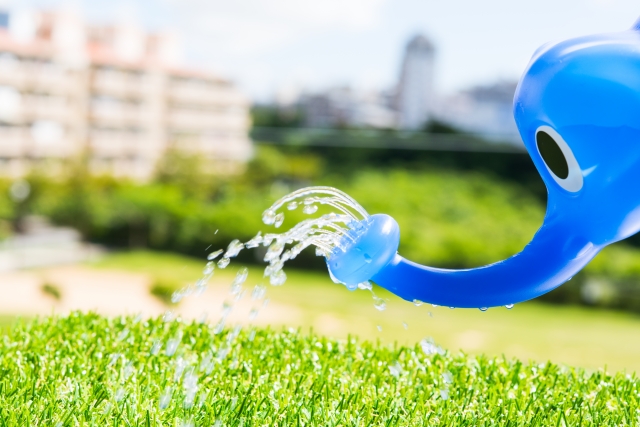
(114, 94)
(416, 90)
(347, 107)
(486, 110)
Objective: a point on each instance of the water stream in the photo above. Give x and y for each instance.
(328, 233)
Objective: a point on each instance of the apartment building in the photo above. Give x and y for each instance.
(114, 95)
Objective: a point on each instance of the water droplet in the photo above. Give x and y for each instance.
(444, 394)
(165, 398)
(269, 217)
(379, 304)
(367, 258)
(258, 292)
(484, 308)
(351, 286)
(113, 359)
(190, 384)
(124, 334)
(234, 248)
(447, 377)
(119, 394)
(279, 220)
(417, 302)
(241, 277)
(266, 240)
(404, 325)
(365, 286)
(321, 252)
(278, 278)
(255, 242)
(509, 306)
(379, 328)
(172, 346)
(310, 209)
(430, 314)
(223, 262)
(208, 269)
(430, 348)
(292, 205)
(128, 371)
(167, 316)
(396, 369)
(274, 251)
(219, 327)
(155, 348)
(452, 308)
(214, 255)
(226, 309)
(176, 297)
(253, 314)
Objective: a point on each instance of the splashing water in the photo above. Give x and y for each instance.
(328, 233)
(430, 348)
(165, 398)
(214, 255)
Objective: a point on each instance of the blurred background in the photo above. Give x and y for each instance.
(138, 136)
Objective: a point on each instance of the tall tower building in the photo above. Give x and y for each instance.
(416, 93)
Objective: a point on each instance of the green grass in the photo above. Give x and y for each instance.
(7, 321)
(567, 335)
(93, 371)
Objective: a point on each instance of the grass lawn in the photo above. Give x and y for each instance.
(93, 371)
(6, 322)
(573, 336)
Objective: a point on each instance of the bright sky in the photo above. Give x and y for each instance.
(271, 45)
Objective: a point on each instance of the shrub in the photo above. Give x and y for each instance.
(51, 290)
(163, 289)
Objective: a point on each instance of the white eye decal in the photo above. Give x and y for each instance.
(559, 159)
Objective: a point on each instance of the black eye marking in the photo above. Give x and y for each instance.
(552, 155)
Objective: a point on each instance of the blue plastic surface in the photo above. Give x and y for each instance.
(584, 93)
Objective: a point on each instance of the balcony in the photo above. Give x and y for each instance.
(51, 78)
(115, 144)
(13, 74)
(118, 114)
(45, 140)
(202, 120)
(14, 141)
(205, 94)
(36, 107)
(119, 84)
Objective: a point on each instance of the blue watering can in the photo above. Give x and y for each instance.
(577, 108)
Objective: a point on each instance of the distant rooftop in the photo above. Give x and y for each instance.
(420, 42)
